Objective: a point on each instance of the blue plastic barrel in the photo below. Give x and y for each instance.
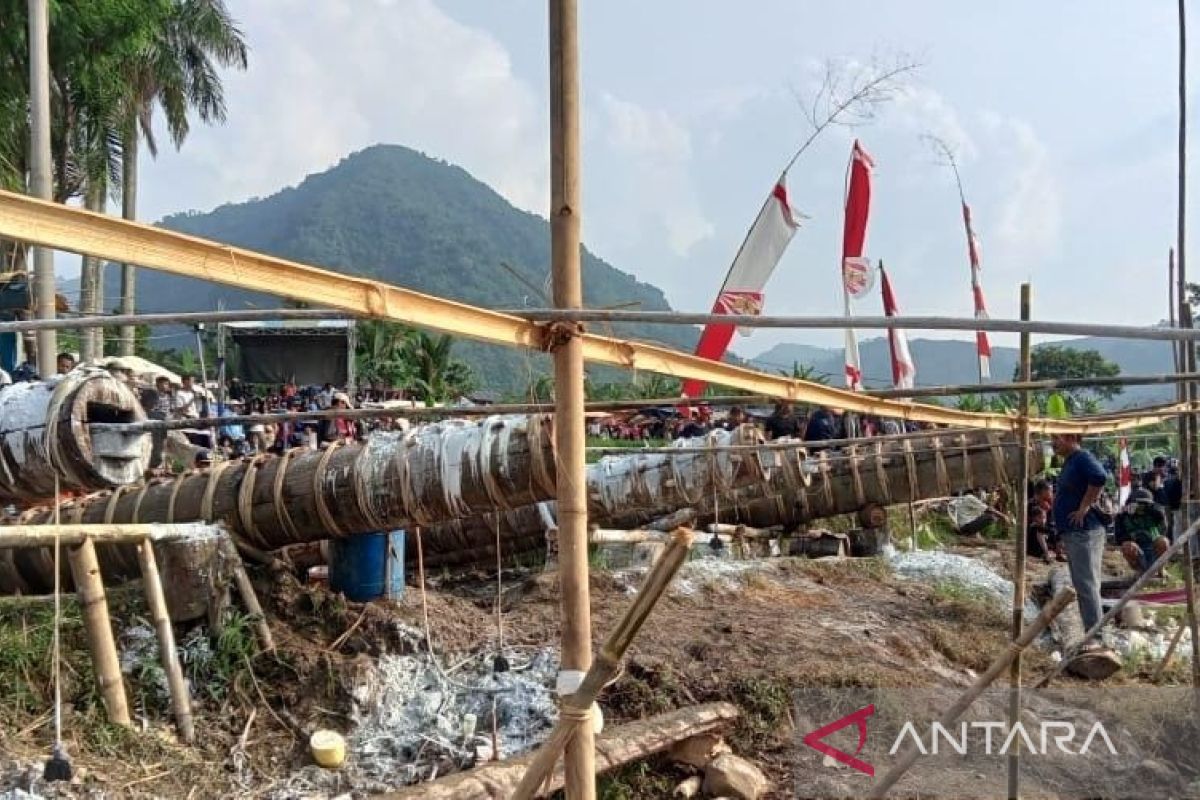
(367, 566)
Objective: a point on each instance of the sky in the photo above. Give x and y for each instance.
(1062, 114)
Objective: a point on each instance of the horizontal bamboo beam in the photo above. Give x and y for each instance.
(1156, 333)
(76, 230)
(172, 318)
(100, 533)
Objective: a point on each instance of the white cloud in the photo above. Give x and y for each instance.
(656, 153)
(332, 77)
(1029, 219)
(926, 112)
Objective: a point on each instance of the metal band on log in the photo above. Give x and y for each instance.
(44, 434)
(433, 474)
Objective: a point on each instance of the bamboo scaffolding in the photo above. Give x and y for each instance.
(181, 703)
(171, 318)
(1051, 610)
(17, 536)
(41, 223)
(249, 597)
(93, 603)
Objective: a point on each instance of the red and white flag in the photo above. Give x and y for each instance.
(982, 346)
(904, 369)
(1124, 476)
(742, 291)
(856, 271)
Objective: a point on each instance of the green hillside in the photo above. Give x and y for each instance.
(394, 214)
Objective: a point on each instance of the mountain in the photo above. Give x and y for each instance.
(942, 362)
(396, 215)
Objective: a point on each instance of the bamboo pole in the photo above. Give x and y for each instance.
(569, 429)
(249, 597)
(1051, 610)
(41, 176)
(14, 536)
(93, 603)
(181, 703)
(1166, 660)
(1019, 535)
(615, 747)
(575, 715)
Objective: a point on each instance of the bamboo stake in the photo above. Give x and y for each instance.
(569, 429)
(181, 703)
(1051, 610)
(1019, 535)
(246, 592)
(94, 605)
(1158, 673)
(575, 715)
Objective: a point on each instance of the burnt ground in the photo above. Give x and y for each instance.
(752, 640)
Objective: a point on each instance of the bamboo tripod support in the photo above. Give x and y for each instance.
(249, 597)
(93, 602)
(181, 702)
(576, 709)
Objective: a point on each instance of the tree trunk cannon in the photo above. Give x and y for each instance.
(461, 481)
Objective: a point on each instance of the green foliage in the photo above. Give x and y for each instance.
(1056, 362)
(396, 356)
(806, 372)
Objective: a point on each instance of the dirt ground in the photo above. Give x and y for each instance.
(752, 640)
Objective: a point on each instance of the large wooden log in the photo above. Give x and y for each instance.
(433, 474)
(615, 747)
(44, 436)
(801, 487)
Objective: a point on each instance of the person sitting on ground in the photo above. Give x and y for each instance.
(1140, 530)
(65, 363)
(735, 418)
(1040, 540)
(782, 422)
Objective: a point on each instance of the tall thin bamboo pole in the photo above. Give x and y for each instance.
(41, 180)
(1189, 424)
(93, 603)
(1019, 539)
(181, 703)
(569, 430)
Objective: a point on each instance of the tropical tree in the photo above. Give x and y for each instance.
(1056, 362)
(176, 72)
(436, 374)
(380, 355)
(805, 372)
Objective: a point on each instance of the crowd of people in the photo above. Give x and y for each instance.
(236, 439)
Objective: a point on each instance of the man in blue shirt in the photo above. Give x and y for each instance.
(1079, 525)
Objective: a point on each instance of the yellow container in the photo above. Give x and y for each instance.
(328, 748)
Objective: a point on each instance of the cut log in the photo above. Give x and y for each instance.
(1068, 630)
(431, 475)
(616, 746)
(44, 434)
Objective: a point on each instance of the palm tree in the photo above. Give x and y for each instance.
(379, 357)
(437, 375)
(177, 72)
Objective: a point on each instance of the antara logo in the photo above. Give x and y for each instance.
(857, 719)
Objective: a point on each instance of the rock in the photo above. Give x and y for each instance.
(735, 777)
(689, 788)
(697, 751)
